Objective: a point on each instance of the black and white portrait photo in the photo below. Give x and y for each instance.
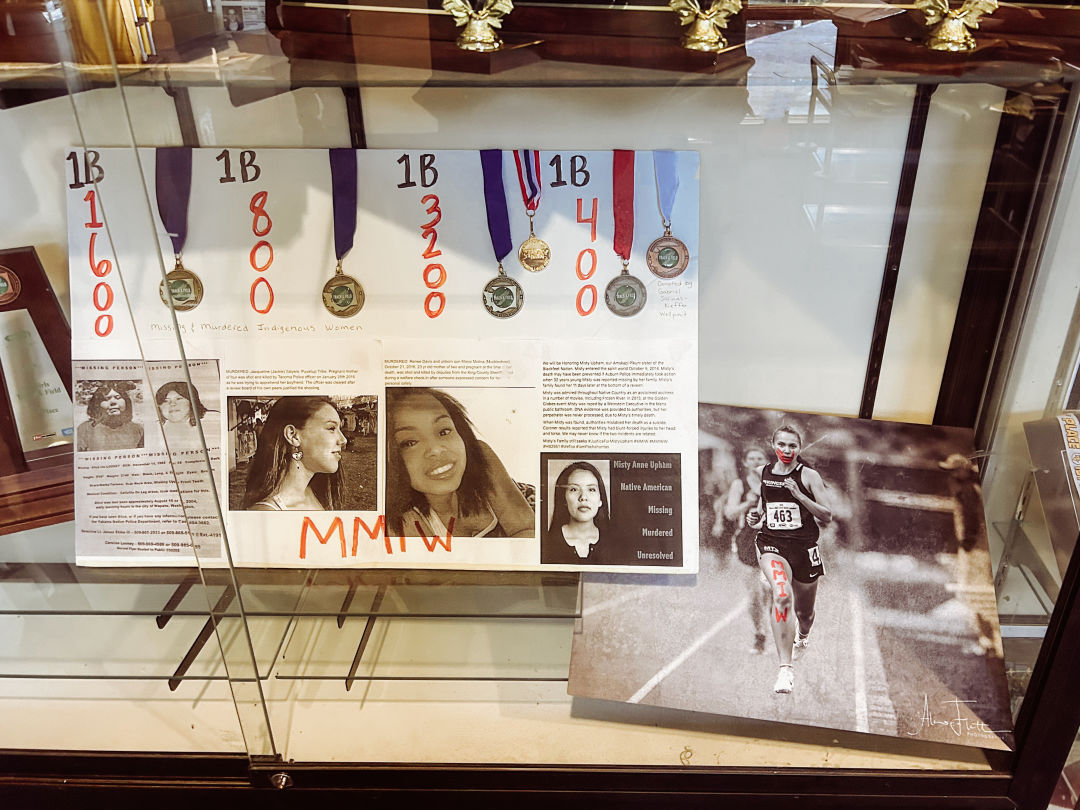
(458, 462)
(112, 420)
(302, 453)
(611, 509)
(844, 583)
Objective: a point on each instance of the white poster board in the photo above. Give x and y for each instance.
(563, 382)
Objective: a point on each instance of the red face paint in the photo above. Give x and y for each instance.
(787, 458)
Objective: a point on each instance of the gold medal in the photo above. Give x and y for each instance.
(342, 295)
(182, 286)
(534, 253)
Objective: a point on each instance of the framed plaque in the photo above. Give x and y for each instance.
(36, 430)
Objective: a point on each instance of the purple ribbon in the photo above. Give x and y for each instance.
(495, 198)
(343, 180)
(172, 178)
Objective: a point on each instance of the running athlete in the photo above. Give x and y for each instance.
(792, 504)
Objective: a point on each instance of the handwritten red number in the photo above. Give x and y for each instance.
(434, 285)
(591, 220)
(91, 197)
(102, 296)
(592, 269)
(270, 292)
(102, 268)
(581, 310)
(260, 226)
(435, 301)
(258, 208)
(253, 257)
(98, 305)
(429, 308)
(430, 252)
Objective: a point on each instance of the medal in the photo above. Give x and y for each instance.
(181, 289)
(10, 286)
(667, 256)
(184, 288)
(625, 294)
(534, 253)
(343, 295)
(502, 296)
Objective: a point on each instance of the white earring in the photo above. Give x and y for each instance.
(297, 454)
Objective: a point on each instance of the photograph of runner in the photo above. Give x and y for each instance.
(875, 568)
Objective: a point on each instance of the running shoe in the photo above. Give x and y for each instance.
(800, 645)
(785, 681)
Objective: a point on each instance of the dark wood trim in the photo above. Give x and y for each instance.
(355, 110)
(920, 110)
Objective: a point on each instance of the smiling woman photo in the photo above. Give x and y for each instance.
(441, 478)
(297, 464)
(179, 411)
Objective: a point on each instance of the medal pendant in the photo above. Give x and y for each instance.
(534, 253)
(667, 256)
(183, 286)
(625, 294)
(10, 286)
(342, 295)
(502, 296)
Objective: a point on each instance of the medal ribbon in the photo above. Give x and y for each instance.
(528, 172)
(667, 183)
(172, 178)
(343, 180)
(622, 196)
(495, 199)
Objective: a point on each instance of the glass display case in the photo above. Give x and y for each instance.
(877, 205)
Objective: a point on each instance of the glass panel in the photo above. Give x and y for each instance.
(804, 152)
(1029, 476)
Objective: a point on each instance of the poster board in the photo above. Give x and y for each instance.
(563, 377)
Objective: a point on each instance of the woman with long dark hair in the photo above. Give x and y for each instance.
(297, 464)
(793, 502)
(579, 518)
(441, 478)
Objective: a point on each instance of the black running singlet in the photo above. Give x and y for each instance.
(785, 517)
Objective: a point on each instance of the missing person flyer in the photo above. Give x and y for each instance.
(448, 359)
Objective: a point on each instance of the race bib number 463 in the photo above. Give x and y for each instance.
(783, 515)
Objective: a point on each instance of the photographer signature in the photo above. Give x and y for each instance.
(958, 725)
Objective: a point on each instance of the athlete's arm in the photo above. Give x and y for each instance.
(755, 515)
(734, 503)
(815, 505)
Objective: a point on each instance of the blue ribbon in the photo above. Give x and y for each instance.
(667, 182)
(495, 198)
(343, 180)
(172, 180)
